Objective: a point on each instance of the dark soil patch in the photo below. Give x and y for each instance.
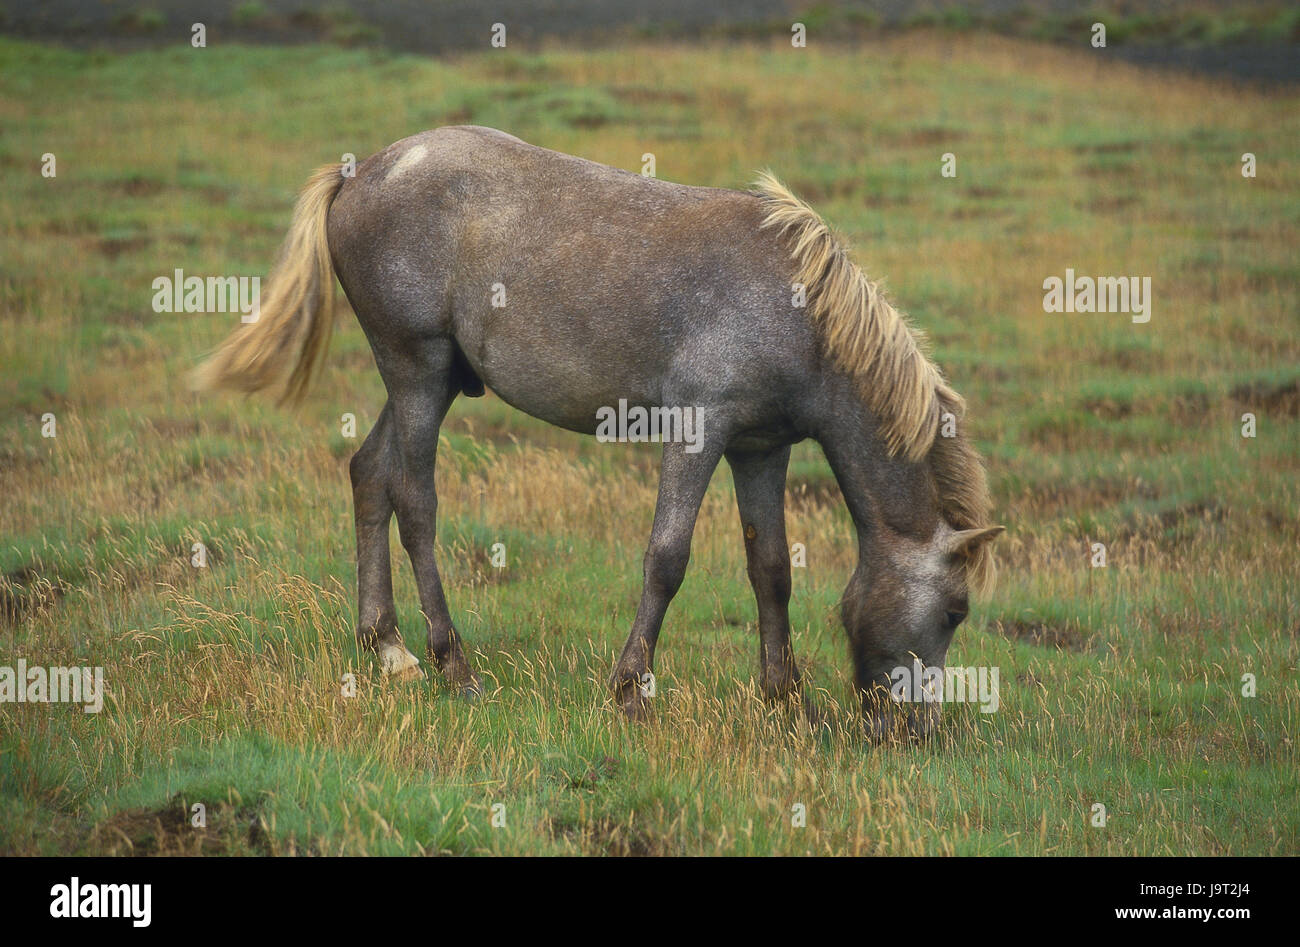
(987, 371)
(114, 247)
(973, 211)
(1060, 637)
(1108, 203)
(1191, 408)
(26, 592)
(1281, 523)
(215, 194)
(1127, 359)
(1174, 526)
(821, 191)
(1109, 408)
(926, 137)
(168, 831)
(139, 186)
(1088, 496)
(1200, 510)
(644, 95)
(605, 836)
(1275, 400)
(1108, 147)
(129, 317)
(69, 228)
(14, 460)
(587, 120)
(460, 116)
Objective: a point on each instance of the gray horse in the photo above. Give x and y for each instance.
(474, 260)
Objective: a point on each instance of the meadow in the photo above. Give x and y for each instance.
(1120, 685)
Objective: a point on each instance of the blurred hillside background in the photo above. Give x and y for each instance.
(1246, 38)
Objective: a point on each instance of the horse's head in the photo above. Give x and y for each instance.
(901, 609)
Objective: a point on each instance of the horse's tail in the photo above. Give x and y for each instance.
(295, 317)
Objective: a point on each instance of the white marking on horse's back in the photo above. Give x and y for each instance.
(414, 155)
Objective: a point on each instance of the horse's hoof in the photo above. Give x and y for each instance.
(398, 664)
(634, 704)
(638, 711)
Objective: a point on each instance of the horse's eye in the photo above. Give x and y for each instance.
(955, 618)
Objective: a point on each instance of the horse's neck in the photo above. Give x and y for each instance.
(878, 489)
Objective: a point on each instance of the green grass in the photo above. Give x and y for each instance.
(1188, 24)
(1119, 686)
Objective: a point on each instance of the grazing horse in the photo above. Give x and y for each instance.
(474, 260)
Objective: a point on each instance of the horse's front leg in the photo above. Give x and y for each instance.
(683, 479)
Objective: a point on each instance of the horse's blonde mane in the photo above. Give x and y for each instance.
(871, 342)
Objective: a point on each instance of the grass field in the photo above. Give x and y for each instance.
(1119, 685)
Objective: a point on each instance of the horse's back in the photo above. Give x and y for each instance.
(559, 274)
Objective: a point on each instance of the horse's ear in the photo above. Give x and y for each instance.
(964, 543)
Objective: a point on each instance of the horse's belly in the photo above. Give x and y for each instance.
(572, 387)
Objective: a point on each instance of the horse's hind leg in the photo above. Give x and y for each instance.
(422, 383)
(760, 497)
(376, 614)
